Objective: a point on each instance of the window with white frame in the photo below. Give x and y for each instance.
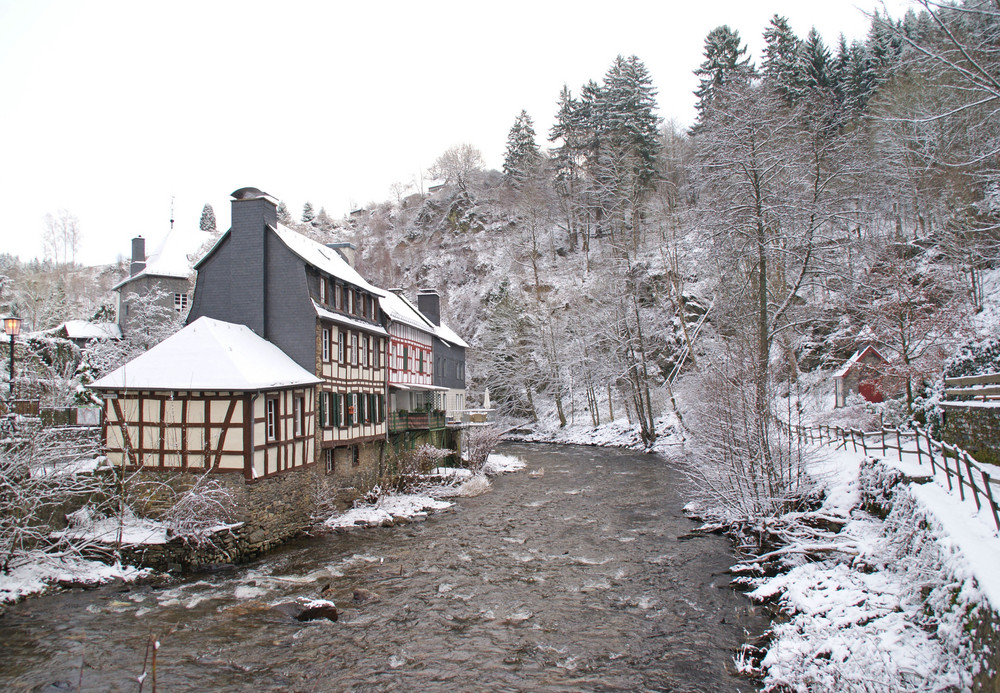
(271, 418)
(341, 346)
(181, 303)
(326, 344)
(298, 414)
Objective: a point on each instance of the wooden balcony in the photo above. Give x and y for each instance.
(416, 421)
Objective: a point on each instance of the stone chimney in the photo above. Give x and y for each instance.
(138, 263)
(429, 303)
(348, 251)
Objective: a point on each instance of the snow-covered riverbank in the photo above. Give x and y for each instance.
(35, 572)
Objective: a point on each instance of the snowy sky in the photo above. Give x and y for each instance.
(113, 109)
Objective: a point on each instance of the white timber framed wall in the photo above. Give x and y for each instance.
(351, 411)
(236, 432)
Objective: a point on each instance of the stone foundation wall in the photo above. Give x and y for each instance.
(975, 427)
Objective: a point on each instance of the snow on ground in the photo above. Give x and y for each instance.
(890, 607)
(502, 464)
(616, 434)
(85, 526)
(394, 508)
(34, 572)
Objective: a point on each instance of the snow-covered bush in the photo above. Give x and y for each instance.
(478, 443)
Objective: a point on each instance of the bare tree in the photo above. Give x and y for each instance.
(457, 162)
(61, 237)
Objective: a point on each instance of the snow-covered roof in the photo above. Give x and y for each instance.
(851, 362)
(81, 329)
(401, 309)
(446, 334)
(209, 355)
(349, 322)
(170, 259)
(322, 257)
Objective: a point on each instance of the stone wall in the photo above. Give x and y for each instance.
(975, 427)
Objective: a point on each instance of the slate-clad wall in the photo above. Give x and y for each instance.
(447, 357)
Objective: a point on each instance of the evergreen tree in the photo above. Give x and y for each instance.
(307, 213)
(627, 119)
(323, 220)
(207, 219)
(523, 157)
(781, 58)
(283, 216)
(724, 62)
(815, 62)
(567, 134)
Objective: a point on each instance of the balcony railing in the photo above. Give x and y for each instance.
(416, 421)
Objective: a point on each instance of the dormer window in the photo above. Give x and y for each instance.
(323, 289)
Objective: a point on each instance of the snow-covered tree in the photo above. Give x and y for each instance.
(725, 61)
(61, 237)
(207, 222)
(284, 217)
(457, 163)
(780, 65)
(523, 157)
(308, 214)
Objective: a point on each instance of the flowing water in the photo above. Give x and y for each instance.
(582, 578)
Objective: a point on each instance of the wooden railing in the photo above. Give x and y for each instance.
(977, 387)
(888, 439)
(421, 421)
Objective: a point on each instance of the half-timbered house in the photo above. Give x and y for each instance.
(212, 396)
(306, 299)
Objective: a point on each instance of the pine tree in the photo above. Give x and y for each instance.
(207, 219)
(567, 134)
(283, 216)
(725, 61)
(627, 119)
(307, 213)
(523, 157)
(781, 58)
(815, 62)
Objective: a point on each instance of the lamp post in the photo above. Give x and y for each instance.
(12, 326)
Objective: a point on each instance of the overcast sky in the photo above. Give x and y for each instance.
(113, 109)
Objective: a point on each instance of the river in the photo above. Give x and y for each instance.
(582, 577)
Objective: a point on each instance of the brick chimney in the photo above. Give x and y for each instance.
(429, 303)
(138, 263)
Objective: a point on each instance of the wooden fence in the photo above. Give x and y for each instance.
(951, 459)
(976, 387)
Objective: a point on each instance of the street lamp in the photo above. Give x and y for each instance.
(12, 326)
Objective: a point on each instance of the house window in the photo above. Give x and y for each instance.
(324, 409)
(298, 414)
(326, 344)
(181, 303)
(460, 370)
(341, 345)
(322, 290)
(350, 299)
(328, 455)
(364, 350)
(406, 358)
(272, 418)
(352, 411)
(354, 348)
(420, 357)
(338, 297)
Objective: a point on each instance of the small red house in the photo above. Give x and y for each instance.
(861, 374)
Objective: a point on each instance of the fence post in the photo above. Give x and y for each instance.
(930, 451)
(899, 446)
(958, 473)
(916, 439)
(989, 496)
(864, 444)
(968, 469)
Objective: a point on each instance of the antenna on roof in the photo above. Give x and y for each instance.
(171, 212)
